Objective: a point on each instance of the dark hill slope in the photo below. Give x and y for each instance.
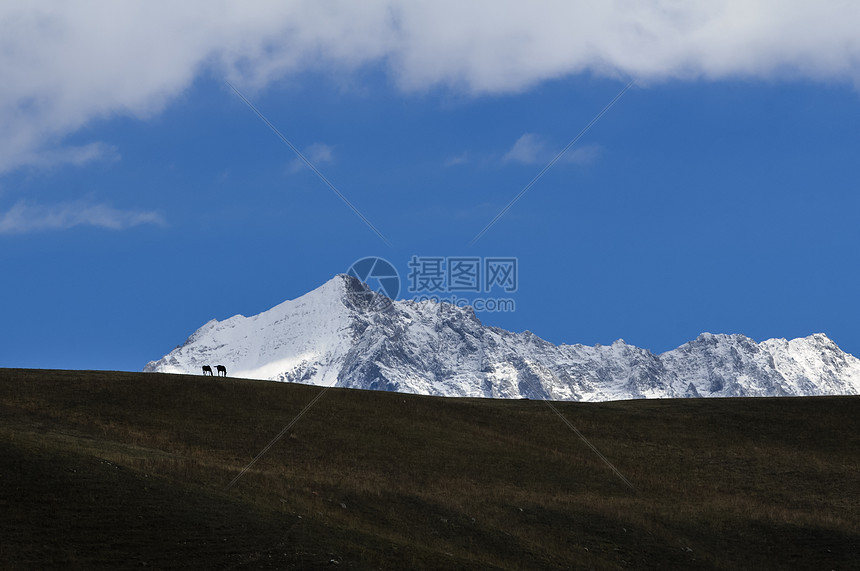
(130, 470)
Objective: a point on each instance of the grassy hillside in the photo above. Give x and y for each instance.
(129, 470)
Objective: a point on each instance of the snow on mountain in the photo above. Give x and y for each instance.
(344, 334)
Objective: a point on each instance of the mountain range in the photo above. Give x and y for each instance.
(344, 334)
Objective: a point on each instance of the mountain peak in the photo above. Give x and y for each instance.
(343, 333)
(339, 286)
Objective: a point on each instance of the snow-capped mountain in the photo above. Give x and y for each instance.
(344, 334)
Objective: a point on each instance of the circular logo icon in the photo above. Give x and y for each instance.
(381, 277)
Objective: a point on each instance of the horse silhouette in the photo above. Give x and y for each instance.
(221, 369)
(207, 369)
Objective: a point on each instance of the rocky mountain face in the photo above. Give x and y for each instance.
(344, 334)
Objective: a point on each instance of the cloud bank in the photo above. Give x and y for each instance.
(64, 64)
(317, 154)
(532, 149)
(24, 217)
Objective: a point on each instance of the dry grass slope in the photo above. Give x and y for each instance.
(130, 470)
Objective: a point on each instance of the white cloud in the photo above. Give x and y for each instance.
(63, 64)
(532, 149)
(71, 155)
(24, 217)
(317, 154)
(583, 155)
(529, 149)
(461, 159)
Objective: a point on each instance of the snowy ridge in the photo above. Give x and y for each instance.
(344, 334)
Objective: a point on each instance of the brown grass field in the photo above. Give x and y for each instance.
(121, 470)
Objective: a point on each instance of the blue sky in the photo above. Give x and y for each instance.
(140, 197)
